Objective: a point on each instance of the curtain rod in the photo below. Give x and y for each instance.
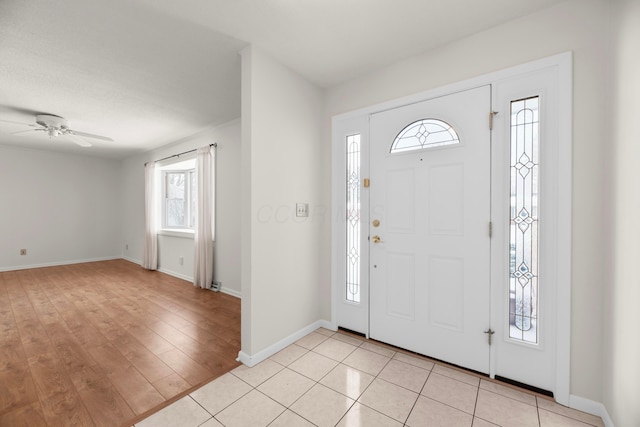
(215, 144)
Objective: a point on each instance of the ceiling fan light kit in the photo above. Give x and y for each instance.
(53, 125)
(51, 122)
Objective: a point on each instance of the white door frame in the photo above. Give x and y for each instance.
(562, 274)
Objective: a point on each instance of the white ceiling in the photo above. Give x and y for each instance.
(150, 72)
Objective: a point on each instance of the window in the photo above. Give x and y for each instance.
(426, 133)
(523, 236)
(179, 196)
(353, 219)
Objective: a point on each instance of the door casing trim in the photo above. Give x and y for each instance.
(563, 62)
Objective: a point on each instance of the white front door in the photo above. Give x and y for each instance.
(430, 200)
(430, 282)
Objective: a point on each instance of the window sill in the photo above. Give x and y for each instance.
(185, 234)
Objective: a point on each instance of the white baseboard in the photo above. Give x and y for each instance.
(175, 274)
(231, 292)
(224, 290)
(252, 360)
(591, 407)
(133, 260)
(58, 263)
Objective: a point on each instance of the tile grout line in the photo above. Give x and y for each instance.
(339, 362)
(538, 411)
(366, 388)
(431, 371)
(375, 377)
(325, 375)
(205, 409)
(419, 395)
(392, 357)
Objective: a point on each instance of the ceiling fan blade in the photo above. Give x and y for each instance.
(19, 123)
(25, 131)
(77, 139)
(88, 135)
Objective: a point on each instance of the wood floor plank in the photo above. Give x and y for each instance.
(186, 367)
(88, 335)
(17, 388)
(106, 325)
(171, 385)
(66, 409)
(139, 393)
(8, 327)
(62, 303)
(22, 308)
(111, 361)
(49, 375)
(149, 365)
(147, 337)
(100, 343)
(47, 313)
(70, 352)
(35, 339)
(25, 416)
(104, 403)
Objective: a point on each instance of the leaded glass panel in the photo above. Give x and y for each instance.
(425, 133)
(353, 219)
(523, 236)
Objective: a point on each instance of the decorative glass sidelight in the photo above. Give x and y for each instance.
(425, 133)
(523, 236)
(353, 219)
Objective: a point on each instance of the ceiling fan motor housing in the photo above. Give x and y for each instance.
(51, 122)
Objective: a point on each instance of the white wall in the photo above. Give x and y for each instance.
(576, 25)
(228, 176)
(621, 376)
(170, 248)
(62, 208)
(281, 138)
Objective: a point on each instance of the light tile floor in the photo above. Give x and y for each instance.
(338, 379)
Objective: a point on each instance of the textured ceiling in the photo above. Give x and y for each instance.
(150, 72)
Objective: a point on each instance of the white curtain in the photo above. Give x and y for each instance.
(203, 265)
(150, 261)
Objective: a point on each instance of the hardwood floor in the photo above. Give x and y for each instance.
(106, 343)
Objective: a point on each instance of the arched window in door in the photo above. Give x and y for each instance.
(424, 133)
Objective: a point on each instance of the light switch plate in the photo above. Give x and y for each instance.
(302, 209)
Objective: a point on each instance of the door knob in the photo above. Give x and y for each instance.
(376, 239)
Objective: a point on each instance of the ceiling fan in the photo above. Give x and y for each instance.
(56, 126)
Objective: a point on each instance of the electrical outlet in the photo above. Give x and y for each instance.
(23, 251)
(126, 247)
(181, 260)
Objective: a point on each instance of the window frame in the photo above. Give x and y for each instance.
(190, 196)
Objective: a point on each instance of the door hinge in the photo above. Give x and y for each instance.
(366, 183)
(490, 229)
(491, 114)
(489, 333)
